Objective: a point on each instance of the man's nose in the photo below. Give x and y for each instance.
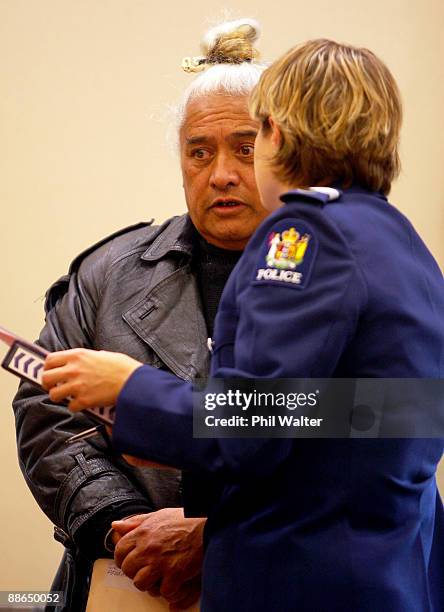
(224, 172)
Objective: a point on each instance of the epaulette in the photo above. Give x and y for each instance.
(75, 264)
(312, 195)
(60, 287)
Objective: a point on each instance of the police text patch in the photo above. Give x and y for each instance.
(287, 255)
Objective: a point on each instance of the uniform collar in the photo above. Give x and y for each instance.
(317, 194)
(355, 188)
(174, 235)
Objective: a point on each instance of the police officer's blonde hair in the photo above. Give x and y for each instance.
(339, 111)
(229, 63)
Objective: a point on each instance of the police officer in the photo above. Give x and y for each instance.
(335, 283)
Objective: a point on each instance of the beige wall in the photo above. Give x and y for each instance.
(84, 86)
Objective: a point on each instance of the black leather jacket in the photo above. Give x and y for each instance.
(134, 293)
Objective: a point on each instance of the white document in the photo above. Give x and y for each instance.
(112, 591)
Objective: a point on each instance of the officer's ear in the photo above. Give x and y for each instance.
(276, 135)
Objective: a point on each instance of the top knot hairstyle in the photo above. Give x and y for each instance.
(339, 111)
(231, 42)
(230, 63)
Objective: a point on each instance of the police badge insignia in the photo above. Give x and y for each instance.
(288, 254)
(287, 249)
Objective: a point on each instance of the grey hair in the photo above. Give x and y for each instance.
(231, 74)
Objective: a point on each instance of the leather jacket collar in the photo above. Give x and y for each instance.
(175, 235)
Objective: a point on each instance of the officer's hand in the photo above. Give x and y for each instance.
(163, 554)
(87, 378)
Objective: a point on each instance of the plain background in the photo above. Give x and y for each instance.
(84, 92)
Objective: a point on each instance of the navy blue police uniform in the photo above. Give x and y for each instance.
(341, 288)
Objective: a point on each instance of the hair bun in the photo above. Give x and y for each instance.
(231, 42)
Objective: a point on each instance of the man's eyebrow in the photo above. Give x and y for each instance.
(243, 134)
(238, 134)
(196, 140)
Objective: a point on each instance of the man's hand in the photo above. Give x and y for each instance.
(162, 553)
(87, 378)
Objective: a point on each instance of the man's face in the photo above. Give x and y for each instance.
(217, 148)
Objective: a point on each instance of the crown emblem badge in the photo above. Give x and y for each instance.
(286, 249)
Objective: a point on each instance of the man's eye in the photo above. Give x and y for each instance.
(200, 154)
(247, 150)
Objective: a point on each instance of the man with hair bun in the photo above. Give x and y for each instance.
(152, 292)
(335, 283)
